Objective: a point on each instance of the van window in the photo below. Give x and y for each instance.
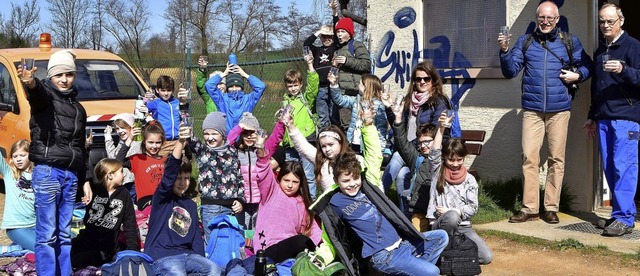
(100, 80)
(7, 91)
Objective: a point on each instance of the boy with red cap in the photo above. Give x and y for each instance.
(352, 58)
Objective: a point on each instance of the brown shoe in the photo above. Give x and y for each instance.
(551, 217)
(522, 217)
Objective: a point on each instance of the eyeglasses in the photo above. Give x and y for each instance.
(425, 143)
(548, 18)
(609, 22)
(420, 79)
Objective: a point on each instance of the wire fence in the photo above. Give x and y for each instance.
(268, 67)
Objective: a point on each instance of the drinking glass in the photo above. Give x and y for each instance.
(305, 50)
(447, 123)
(27, 63)
(504, 30)
(334, 71)
(605, 59)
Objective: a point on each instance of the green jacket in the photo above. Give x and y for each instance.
(357, 64)
(303, 117)
(201, 78)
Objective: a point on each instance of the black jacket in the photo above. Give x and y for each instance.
(346, 243)
(57, 127)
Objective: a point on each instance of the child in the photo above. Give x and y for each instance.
(301, 105)
(377, 229)
(175, 238)
(166, 110)
(148, 166)
(58, 151)
(285, 226)
(331, 142)
(123, 124)
(322, 57)
(235, 102)
(111, 208)
(418, 191)
(19, 218)
(454, 195)
(201, 78)
(353, 60)
(369, 93)
(243, 137)
(220, 181)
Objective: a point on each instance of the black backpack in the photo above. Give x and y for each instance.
(460, 257)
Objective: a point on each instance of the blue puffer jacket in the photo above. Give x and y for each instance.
(542, 89)
(380, 119)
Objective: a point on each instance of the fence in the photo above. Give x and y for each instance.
(268, 67)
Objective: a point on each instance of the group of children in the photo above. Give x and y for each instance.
(347, 218)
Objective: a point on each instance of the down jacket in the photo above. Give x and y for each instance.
(57, 126)
(542, 89)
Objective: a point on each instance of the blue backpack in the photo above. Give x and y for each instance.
(226, 240)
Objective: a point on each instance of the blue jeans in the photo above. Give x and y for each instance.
(208, 212)
(186, 264)
(55, 192)
(397, 171)
(292, 155)
(25, 237)
(620, 163)
(412, 259)
(326, 109)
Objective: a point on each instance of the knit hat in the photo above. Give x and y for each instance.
(249, 122)
(346, 24)
(126, 117)
(216, 121)
(326, 30)
(62, 61)
(235, 79)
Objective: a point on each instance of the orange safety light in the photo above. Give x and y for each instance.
(45, 41)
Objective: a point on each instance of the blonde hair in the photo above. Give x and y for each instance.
(104, 167)
(372, 87)
(22, 144)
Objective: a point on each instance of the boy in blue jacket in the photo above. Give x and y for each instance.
(166, 110)
(235, 102)
(174, 239)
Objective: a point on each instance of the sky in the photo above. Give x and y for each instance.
(157, 9)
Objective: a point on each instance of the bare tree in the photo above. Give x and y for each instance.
(69, 19)
(298, 26)
(177, 15)
(200, 16)
(97, 30)
(22, 25)
(128, 24)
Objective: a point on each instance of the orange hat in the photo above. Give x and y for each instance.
(346, 24)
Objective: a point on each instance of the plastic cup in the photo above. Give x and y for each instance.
(334, 71)
(27, 63)
(305, 50)
(504, 30)
(605, 59)
(447, 123)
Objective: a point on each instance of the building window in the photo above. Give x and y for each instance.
(463, 33)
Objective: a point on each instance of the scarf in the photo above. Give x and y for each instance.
(417, 100)
(455, 177)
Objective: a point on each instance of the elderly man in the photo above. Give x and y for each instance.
(614, 116)
(545, 55)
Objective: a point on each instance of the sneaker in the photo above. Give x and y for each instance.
(602, 223)
(617, 229)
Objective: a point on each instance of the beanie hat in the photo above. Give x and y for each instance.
(235, 79)
(249, 122)
(326, 30)
(62, 61)
(346, 24)
(216, 121)
(126, 117)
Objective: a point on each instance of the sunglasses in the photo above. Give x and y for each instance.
(420, 79)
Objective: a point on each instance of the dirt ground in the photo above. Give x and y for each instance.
(512, 258)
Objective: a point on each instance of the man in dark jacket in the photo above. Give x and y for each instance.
(613, 117)
(58, 151)
(546, 102)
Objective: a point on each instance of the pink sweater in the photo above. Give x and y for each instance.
(248, 159)
(280, 216)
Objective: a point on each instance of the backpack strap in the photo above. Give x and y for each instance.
(352, 49)
(527, 42)
(567, 41)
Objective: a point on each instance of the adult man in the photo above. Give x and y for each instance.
(546, 102)
(614, 92)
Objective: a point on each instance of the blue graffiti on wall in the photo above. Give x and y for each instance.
(399, 63)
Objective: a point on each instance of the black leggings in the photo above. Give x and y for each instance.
(289, 248)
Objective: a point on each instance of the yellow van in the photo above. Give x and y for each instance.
(106, 86)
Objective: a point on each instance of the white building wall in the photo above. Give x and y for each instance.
(492, 103)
